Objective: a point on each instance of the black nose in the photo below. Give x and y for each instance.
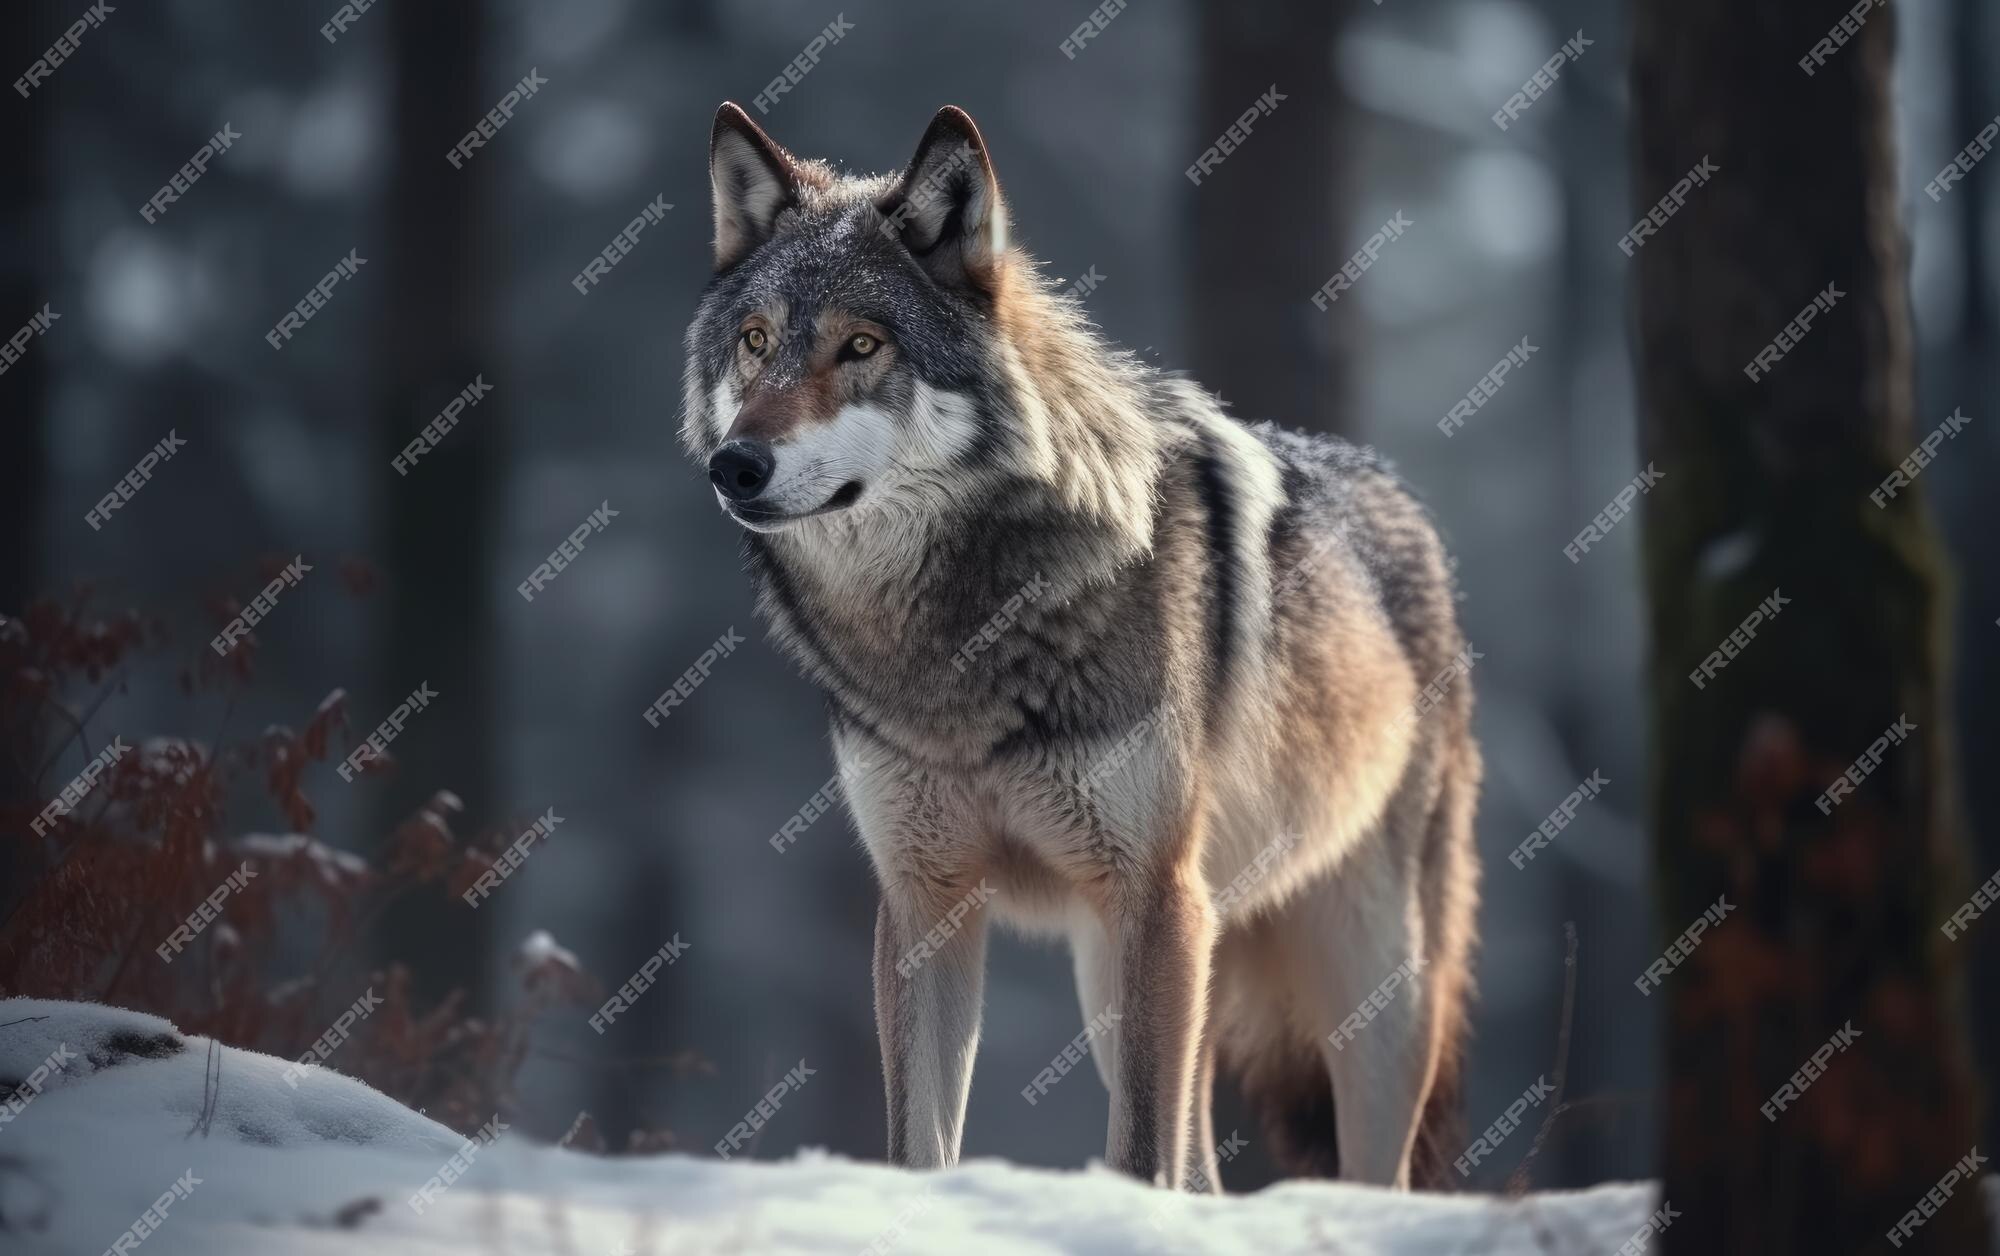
(741, 469)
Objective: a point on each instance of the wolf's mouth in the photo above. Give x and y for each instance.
(764, 519)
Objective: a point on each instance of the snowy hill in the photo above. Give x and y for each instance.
(121, 1114)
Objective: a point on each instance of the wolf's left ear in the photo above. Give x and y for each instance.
(947, 205)
(753, 180)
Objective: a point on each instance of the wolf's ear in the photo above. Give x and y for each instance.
(947, 205)
(753, 180)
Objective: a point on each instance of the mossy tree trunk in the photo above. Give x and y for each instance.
(1836, 917)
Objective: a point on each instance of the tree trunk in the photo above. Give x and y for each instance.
(438, 579)
(1268, 226)
(1832, 920)
(26, 245)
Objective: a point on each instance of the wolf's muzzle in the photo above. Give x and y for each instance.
(741, 469)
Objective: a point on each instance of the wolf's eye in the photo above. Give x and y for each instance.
(754, 340)
(862, 345)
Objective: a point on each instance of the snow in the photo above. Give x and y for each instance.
(332, 1166)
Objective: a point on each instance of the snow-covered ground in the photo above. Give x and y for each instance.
(130, 1116)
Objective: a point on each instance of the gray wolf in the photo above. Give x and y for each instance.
(1100, 661)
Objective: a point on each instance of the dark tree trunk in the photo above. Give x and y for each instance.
(1977, 508)
(26, 244)
(1835, 917)
(438, 578)
(1268, 222)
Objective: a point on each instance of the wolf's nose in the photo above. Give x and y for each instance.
(741, 469)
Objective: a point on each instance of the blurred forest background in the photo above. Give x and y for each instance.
(666, 830)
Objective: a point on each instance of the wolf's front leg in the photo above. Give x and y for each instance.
(930, 966)
(1162, 936)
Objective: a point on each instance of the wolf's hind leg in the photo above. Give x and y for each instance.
(1357, 946)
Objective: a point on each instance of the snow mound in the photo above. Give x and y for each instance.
(235, 1159)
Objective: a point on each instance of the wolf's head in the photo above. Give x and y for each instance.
(842, 352)
(872, 351)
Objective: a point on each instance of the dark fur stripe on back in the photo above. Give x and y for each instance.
(1219, 503)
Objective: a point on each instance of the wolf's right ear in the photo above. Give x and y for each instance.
(753, 180)
(947, 206)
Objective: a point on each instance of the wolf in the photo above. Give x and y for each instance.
(1100, 661)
